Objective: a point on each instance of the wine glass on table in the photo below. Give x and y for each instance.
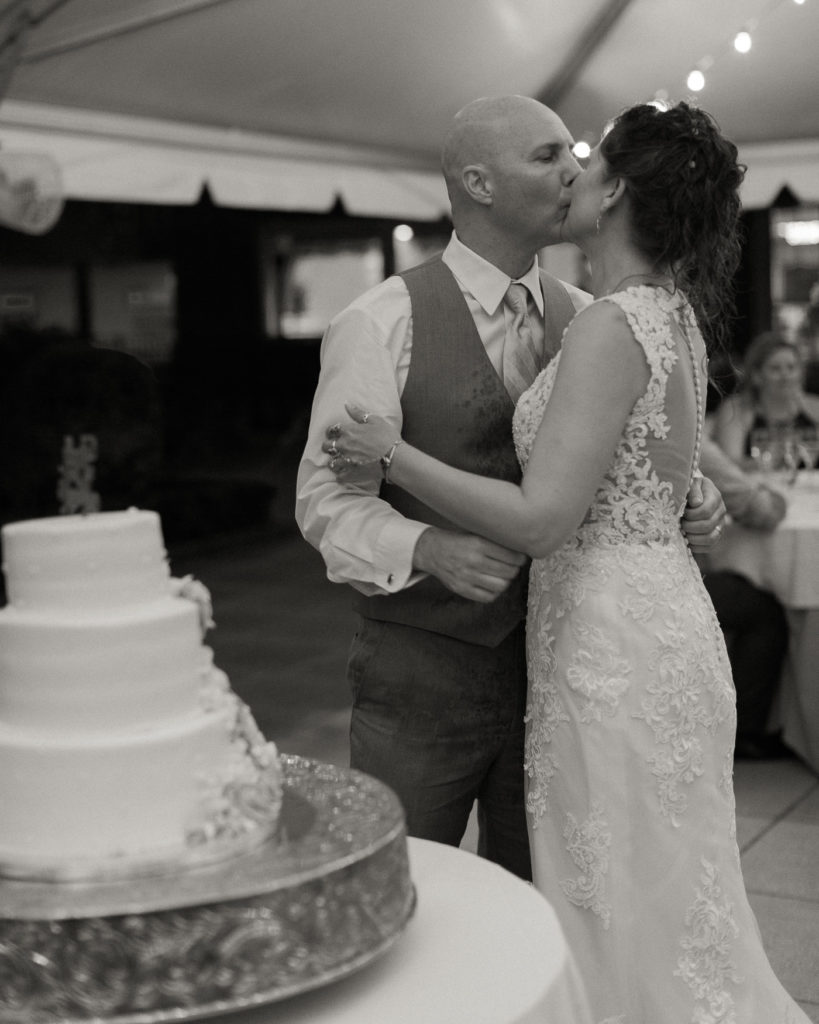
(763, 450)
(807, 445)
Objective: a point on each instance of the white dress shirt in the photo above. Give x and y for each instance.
(365, 357)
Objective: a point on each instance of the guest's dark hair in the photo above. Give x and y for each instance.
(683, 179)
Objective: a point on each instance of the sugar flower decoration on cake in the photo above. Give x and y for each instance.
(246, 794)
(190, 588)
(214, 688)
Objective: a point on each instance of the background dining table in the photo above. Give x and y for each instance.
(785, 561)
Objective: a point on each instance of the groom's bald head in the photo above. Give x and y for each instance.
(478, 131)
(507, 164)
(485, 129)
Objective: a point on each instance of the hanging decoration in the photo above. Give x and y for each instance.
(31, 190)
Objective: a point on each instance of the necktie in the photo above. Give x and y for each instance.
(522, 356)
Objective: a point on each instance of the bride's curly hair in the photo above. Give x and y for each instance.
(683, 178)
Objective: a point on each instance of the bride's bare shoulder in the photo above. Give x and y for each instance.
(602, 323)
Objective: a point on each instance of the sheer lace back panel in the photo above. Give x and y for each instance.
(643, 494)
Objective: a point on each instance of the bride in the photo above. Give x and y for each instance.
(631, 709)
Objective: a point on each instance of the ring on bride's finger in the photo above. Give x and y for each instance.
(365, 418)
(334, 431)
(333, 449)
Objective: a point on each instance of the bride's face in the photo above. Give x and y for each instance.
(587, 193)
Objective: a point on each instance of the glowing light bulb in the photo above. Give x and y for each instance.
(696, 80)
(581, 150)
(403, 233)
(800, 2)
(742, 42)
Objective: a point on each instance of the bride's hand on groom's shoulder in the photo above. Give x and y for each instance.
(358, 441)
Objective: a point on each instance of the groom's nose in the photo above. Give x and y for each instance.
(571, 169)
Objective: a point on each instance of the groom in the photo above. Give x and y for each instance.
(437, 667)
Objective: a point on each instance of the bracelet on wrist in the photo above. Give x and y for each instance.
(386, 461)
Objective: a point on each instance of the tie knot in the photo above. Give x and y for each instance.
(517, 298)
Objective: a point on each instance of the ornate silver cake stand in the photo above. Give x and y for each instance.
(329, 893)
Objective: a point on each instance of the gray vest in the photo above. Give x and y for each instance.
(456, 408)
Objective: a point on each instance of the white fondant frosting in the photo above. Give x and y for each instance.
(121, 744)
(123, 672)
(78, 562)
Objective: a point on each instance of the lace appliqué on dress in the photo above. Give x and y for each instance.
(588, 845)
(598, 672)
(706, 965)
(685, 695)
(546, 711)
(632, 505)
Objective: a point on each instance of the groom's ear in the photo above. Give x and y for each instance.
(614, 191)
(477, 183)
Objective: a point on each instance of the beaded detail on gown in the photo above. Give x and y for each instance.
(631, 721)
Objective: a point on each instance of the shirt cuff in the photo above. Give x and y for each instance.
(393, 554)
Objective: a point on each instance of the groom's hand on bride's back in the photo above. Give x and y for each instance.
(704, 515)
(471, 566)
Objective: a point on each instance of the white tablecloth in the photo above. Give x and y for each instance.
(786, 562)
(482, 948)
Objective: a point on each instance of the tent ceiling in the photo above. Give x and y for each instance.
(370, 85)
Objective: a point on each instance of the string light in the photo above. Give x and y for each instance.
(582, 150)
(696, 77)
(695, 80)
(743, 42)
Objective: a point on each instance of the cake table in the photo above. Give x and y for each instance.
(326, 895)
(483, 948)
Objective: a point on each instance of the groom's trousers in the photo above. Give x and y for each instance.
(440, 721)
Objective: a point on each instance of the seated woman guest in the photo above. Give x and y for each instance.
(770, 397)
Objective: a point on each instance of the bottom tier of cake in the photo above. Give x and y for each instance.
(327, 894)
(91, 807)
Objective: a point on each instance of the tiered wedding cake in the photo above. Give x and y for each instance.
(158, 860)
(123, 749)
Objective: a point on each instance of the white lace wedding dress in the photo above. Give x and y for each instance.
(631, 721)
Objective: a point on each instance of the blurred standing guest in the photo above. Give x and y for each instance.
(753, 620)
(770, 398)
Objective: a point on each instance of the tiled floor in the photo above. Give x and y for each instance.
(282, 635)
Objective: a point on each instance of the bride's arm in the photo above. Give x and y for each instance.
(601, 375)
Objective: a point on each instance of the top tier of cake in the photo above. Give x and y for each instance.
(73, 564)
